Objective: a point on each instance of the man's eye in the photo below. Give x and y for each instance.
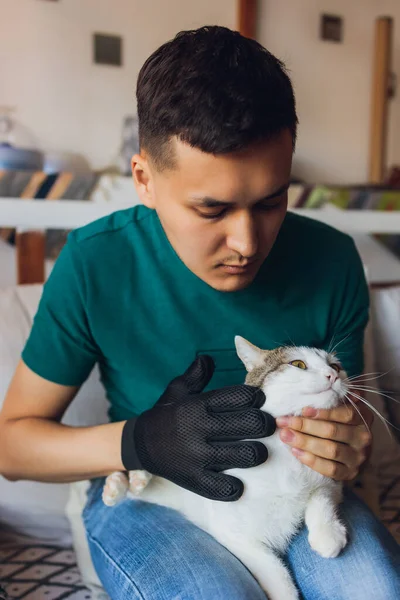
(212, 215)
(269, 206)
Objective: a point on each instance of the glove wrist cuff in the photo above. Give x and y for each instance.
(129, 456)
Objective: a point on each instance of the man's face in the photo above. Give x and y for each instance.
(222, 213)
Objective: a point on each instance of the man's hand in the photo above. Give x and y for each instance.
(333, 442)
(191, 437)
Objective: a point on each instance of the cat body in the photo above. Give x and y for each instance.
(282, 493)
(282, 486)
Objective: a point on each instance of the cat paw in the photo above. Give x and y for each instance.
(282, 590)
(138, 480)
(328, 540)
(115, 488)
(290, 594)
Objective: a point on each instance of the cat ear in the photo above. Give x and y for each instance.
(250, 355)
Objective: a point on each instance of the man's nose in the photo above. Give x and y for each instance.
(242, 236)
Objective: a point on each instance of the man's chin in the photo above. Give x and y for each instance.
(231, 283)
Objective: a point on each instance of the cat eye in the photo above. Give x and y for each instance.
(299, 364)
(336, 367)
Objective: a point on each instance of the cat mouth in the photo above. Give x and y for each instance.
(328, 389)
(338, 395)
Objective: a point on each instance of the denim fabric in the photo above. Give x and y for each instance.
(148, 552)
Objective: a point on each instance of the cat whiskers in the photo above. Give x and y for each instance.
(282, 345)
(356, 385)
(384, 393)
(367, 376)
(330, 343)
(338, 343)
(354, 405)
(357, 382)
(371, 407)
(293, 345)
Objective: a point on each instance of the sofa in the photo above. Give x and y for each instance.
(43, 551)
(38, 520)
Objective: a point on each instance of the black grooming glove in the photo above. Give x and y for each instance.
(190, 436)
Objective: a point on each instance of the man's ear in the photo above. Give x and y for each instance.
(143, 180)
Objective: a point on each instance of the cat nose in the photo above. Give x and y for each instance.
(332, 377)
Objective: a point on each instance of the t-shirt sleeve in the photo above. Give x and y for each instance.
(60, 347)
(351, 313)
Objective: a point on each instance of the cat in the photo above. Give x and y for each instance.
(279, 494)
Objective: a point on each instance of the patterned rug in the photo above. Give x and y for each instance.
(40, 572)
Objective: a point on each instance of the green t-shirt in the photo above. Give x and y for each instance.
(120, 296)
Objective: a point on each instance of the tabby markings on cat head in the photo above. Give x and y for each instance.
(293, 377)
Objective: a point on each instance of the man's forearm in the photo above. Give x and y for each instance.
(42, 450)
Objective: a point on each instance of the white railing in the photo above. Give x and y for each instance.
(69, 214)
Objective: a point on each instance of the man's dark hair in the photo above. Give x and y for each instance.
(215, 90)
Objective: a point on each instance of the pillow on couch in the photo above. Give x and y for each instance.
(34, 508)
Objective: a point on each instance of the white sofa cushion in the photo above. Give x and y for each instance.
(76, 504)
(33, 508)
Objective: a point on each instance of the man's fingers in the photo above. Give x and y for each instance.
(347, 414)
(251, 424)
(356, 436)
(196, 376)
(366, 413)
(341, 414)
(329, 449)
(334, 470)
(242, 455)
(235, 398)
(219, 486)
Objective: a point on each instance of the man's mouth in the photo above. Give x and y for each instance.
(234, 269)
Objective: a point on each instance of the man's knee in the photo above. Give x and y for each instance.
(199, 573)
(375, 581)
(201, 581)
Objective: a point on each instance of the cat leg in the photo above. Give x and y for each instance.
(267, 568)
(138, 480)
(326, 534)
(115, 488)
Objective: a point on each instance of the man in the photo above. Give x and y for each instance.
(150, 290)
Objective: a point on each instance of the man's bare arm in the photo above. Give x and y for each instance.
(34, 445)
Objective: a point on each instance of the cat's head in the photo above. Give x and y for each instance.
(293, 377)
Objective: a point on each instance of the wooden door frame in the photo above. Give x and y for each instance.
(380, 99)
(247, 17)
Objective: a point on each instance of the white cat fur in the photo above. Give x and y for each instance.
(280, 494)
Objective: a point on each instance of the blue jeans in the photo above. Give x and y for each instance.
(148, 552)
